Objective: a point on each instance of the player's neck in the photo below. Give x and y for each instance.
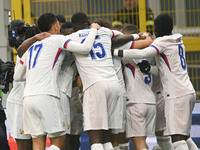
(80, 27)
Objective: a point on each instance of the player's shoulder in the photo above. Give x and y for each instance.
(56, 36)
(53, 39)
(173, 38)
(104, 30)
(80, 33)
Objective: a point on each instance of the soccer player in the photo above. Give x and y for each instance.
(140, 107)
(15, 106)
(118, 135)
(101, 101)
(41, 63)
(100, 84)
(179, 93)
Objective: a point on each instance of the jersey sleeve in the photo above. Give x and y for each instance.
(159, 45)
(20, 69)
(107, 31)
(75, 47)
(115, 33)
(136, 53)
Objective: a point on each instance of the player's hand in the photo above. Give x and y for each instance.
(145, 35)
(142, 36)
(95, 26)
(42, 35)
(144, 66)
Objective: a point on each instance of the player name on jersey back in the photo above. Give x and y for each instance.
(97, 65)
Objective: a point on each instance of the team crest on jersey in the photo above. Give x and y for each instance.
(21, 131)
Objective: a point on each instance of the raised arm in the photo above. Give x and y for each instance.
(27, 43)
(139, 44)
(87, 44)
(120, 40)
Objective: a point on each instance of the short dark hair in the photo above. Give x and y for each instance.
(130, 28)
(163, 25)
(46, 21)
(78, 19)
(61, 18)
(103, 22)
(66, 25)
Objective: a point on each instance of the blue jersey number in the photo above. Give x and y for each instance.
(37, 49)
(181, 54)
(97, 54)
(147, 79)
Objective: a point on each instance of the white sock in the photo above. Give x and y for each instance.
(98, 146)
(116, 148)
(191, 145)
(124, 146)
(164, 142)
(180, 145)
(53, 147)
(108, 146)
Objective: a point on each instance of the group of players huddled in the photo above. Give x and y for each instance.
(133, 86)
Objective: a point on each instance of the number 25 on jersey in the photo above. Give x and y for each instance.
(34, 52)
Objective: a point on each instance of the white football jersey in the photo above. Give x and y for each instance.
(66, 74)
(118, 65)
(43, 62)
(171, 63)
(97, 66)
(16, 93)
(138, 85)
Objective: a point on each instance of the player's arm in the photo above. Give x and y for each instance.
(136, 53)
(87, 44)
(27, 43)
(120, 39)
(139, 44)
(145, 40)
(20, 70)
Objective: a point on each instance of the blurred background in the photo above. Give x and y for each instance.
(185, 14)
